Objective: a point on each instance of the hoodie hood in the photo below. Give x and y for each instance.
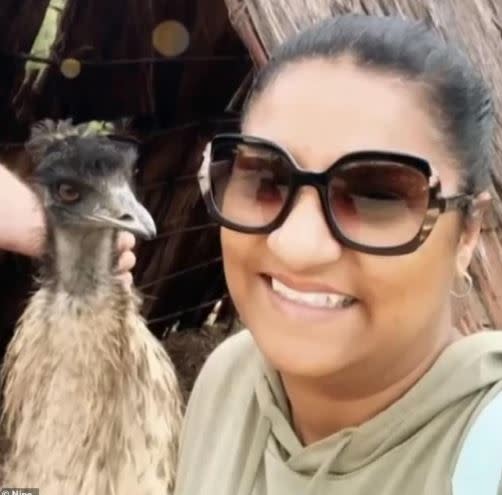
(463, 374)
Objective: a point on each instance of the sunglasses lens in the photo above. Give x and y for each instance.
(249, 183)
(379, 204)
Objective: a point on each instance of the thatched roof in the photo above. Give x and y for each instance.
(477, 25)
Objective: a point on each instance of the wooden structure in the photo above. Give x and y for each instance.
(172, 105)
(477, 26)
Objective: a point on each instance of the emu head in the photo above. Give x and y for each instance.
(85, 179)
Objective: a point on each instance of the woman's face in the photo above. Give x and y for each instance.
(320, 110)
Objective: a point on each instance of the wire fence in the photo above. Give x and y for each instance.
(26, 57)
(228, 118)
(174, 181)
(180, 273)
(184, 230)
(182, 312)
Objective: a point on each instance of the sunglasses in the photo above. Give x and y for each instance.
(375, 202)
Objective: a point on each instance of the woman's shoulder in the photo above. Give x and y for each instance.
(220, 417)
(234, 363)
(217, 411)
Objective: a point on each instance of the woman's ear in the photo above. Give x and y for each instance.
(472, 229)
(479, 205)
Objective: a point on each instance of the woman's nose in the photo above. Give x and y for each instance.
(304, 239)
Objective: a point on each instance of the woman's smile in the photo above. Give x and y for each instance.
(305, 301)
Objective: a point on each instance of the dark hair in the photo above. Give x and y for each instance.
(407, 47)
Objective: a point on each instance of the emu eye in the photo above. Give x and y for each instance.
(68, 193)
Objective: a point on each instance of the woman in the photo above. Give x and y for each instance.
(341, 255)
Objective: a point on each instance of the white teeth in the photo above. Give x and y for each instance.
(314, 299)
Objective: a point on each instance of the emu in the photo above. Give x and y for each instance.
(91, 401)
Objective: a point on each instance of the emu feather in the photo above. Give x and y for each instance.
(91, 398)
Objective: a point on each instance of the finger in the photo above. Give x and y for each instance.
(126, 262)
(126, 279)
(125, 241)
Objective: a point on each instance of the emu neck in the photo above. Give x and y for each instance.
(81, 260)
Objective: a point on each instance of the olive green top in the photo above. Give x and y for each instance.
(238, 440)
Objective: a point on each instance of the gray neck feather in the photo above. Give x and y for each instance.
(82, 259)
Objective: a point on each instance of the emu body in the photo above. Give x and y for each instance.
(91, 398)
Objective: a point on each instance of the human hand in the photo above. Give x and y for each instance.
(126, 259)
(22, 225)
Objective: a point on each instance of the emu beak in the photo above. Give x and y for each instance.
(128, 214)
